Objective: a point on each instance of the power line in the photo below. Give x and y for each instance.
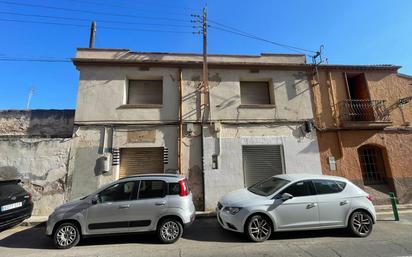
(100, 27)
(127, 6)
(93, 12)
(27, 59)
(102, 21)
(44, 22)
(236, 31)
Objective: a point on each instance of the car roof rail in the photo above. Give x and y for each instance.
(153, 175)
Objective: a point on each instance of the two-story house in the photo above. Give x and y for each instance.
(148, 113)
(363, 115)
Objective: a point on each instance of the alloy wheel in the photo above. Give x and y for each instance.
(259, 228)
(66, 235)
(169, 231)
(361, 223)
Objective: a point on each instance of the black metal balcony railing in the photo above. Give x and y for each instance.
(363, 110)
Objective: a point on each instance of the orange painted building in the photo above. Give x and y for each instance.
(363, 115)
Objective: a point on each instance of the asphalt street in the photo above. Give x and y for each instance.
(206, 238)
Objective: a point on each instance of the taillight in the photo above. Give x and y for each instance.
(28, 197)
(370, 198)
(184, 190)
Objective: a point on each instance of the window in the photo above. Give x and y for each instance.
(8, 189)
(118, 192)
(254, 93)
(152, 189)
(268, 186)
(328, 186)
(174, 188)
(301, 188)
(372, 165)
(357, 86)
(145, 92)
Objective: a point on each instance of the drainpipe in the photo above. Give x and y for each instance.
(180, 137)
(335, 116)
(332, 99)
(315, 81)
(202, 152)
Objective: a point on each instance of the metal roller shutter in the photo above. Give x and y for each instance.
(135, 161)
(261, 162)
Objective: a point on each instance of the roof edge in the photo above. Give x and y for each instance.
(190, 54)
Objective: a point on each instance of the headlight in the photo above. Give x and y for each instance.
(232, 210)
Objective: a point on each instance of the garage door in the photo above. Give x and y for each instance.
(260, 162)
(135, 161)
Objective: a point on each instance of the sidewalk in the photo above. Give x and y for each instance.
(380, 210)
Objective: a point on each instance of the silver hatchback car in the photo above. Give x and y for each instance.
(143, 203)
(297, 202)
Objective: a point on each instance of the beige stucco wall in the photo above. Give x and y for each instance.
(93, 142)
(289, 91)
(102, 90)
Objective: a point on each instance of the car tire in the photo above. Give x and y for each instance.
(66, 235)
(258, 228)
(169, 231)
(360, 224)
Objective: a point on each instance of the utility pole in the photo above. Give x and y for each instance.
(205, 68)
(92, 34)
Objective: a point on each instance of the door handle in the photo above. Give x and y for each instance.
(344, 202)
(124, 206)
(311, 205)
(160, 203)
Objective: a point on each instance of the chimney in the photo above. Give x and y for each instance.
(92, 34)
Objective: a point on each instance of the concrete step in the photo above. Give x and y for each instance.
(379, 193)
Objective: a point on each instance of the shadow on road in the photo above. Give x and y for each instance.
(210, 231)
(204, 230)
(33, 238)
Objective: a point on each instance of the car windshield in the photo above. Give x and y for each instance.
(268, 186)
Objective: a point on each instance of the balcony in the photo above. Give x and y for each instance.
(364, 113)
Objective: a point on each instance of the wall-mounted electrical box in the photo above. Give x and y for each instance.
(190, 128)
(332, 163)
(215, 162)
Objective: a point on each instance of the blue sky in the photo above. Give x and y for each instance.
(353, 32)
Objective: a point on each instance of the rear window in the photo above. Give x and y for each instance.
(6, 189)
(152, 189)
(328, 186)
(174, 188)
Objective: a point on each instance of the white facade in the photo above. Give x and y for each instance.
(300, 155)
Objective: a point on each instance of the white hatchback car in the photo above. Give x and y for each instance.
(297, 202)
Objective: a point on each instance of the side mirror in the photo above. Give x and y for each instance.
(94, 200)
(286, 196)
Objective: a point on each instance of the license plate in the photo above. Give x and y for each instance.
(11, 206)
